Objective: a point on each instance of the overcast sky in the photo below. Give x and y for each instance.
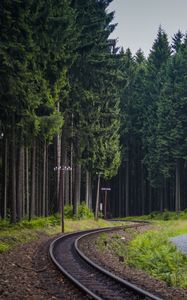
(138, 21)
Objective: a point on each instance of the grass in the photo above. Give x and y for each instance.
(164, 216)
(25, 231)
(153, 252)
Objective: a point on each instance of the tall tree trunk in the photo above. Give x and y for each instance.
(67, 188)
(97, 197)
(127, 190)
(27, 179)
(13, 174)
(90, 192)
(33, 182)
(65, 163)
(20, 184)
(58, 164)
(178, 186)
(142, 188)
(47, 183)
(37, 193)
(23, 185)
(5, 178)
(161, 196)
(40, 185)
(165, 200)
(87, 189)
(77, 189)
(44, 181)
(150, 197)
(66, 176)
(71, 174)
(123, 189)
(119, 198)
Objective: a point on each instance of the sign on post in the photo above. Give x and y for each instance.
(105, 189)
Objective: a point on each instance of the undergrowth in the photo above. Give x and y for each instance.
(83, 212)
(157, 255)
(26, 231)
(166, 215)
(152, 251)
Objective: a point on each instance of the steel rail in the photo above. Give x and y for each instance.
(75, 248)
(126, 283)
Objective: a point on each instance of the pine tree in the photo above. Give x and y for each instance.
(157, 60)
(172, 119)
(177, 41)
(93, 89)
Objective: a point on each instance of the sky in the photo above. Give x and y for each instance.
(139, 20)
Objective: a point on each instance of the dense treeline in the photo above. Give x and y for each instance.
(70, 97)
(59, 100)
(152, 176)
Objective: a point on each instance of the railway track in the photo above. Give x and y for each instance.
(92, 279)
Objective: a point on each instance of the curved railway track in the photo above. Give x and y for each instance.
(92, 279)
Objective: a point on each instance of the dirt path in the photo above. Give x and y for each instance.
(27, 273)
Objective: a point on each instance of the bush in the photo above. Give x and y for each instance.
(84, 212)
(54, 220)
(68, 211)
(166, 215)
(154, 214)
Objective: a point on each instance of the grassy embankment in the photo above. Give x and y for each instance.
(152, 251)
(26, 231)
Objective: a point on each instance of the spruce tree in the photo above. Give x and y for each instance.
(172, 119)
(157, 60)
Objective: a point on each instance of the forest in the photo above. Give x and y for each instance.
(74, 104)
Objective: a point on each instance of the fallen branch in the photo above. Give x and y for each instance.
(31, 269)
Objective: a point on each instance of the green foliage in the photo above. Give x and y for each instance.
(151, 251)
(166, 215)
(160, 216)
(154, 253)
(102, 241)
(94, 94)
(26, 231)
(155, 76)
(68, 211)
(172, 113)
(112, 243)
(4, 247)
(83, 212)
(39, 223)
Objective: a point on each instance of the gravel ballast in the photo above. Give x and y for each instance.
(114, 264)
(27, 273)
(181, 242)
